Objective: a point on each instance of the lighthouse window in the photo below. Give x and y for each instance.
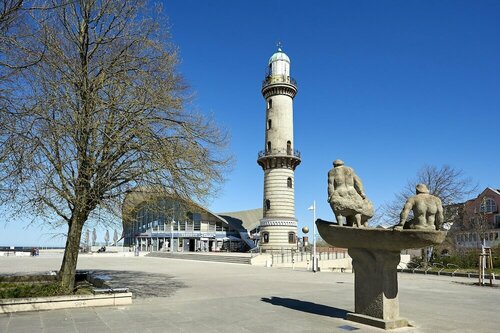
(289, 182)
(269, 103)
(268, 204)
(265, 237)
(291, 238)
(289, 148)
(269, 146)
(269, 124)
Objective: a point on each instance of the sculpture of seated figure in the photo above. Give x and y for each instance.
(427, 211)
(346, 196)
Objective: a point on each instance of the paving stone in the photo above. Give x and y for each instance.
(242, 298)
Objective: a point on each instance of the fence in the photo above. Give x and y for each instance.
(284, 256)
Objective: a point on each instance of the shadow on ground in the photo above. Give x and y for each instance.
(141, 284)
(319, 309)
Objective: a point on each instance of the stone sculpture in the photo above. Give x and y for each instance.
(376, 252)
(346, 196)
(427, 211)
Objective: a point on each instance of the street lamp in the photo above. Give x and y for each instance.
(313, 208)
(172, 236)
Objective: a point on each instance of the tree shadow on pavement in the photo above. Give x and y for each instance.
(314, 308)
(142, 284)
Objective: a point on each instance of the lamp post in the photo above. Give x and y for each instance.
(313, 208)
(172, 236)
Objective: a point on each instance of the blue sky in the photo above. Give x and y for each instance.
(387, 86)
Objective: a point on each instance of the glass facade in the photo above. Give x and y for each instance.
(170, 225)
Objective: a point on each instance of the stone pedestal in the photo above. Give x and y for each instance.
(376, 300)
(375, 256)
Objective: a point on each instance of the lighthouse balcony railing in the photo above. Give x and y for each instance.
(276, 79)
(279, 152)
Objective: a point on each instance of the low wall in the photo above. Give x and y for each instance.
(103, 295)
(332, 265)
(14, 253)
(9, 305)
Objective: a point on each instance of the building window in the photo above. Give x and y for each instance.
(289, 147)
(269, 146)
(268, 204)
(497, 221)
(291, 238)
(197, 221)
(289, 183)
(265, 237)
(488, 205)
(270, 103)
(211, 226)
(269, 124)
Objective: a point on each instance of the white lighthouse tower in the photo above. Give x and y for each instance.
(278, 227)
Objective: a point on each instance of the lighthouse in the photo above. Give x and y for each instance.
(278, 227)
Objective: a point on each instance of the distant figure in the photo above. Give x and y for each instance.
(427, 211)
(346, 196)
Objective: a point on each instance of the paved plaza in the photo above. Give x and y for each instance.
(189, 296)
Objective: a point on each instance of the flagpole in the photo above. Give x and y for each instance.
(314, 268)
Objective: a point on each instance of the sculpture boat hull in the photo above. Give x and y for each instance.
(377, 238)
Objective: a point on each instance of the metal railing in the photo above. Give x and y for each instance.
(283, 256)
(275, 79)
(279, 152)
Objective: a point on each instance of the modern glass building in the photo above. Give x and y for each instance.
(154, 222)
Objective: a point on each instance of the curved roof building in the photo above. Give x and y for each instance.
(155, 221)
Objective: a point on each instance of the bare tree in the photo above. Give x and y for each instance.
(94, 237)
(101, 113)
(106, 238)
(9, 11)
(17, 27)
(115, 237)
(447, 183)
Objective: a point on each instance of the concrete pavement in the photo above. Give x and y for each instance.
(188, 296)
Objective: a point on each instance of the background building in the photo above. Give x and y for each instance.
(478, 221)
(160, 222)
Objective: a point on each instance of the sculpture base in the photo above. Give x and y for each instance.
(377, 322)
(376, 300)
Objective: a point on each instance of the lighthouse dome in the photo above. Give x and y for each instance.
(279, 64)
(279, 56)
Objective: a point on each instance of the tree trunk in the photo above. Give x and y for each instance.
(68, 268)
